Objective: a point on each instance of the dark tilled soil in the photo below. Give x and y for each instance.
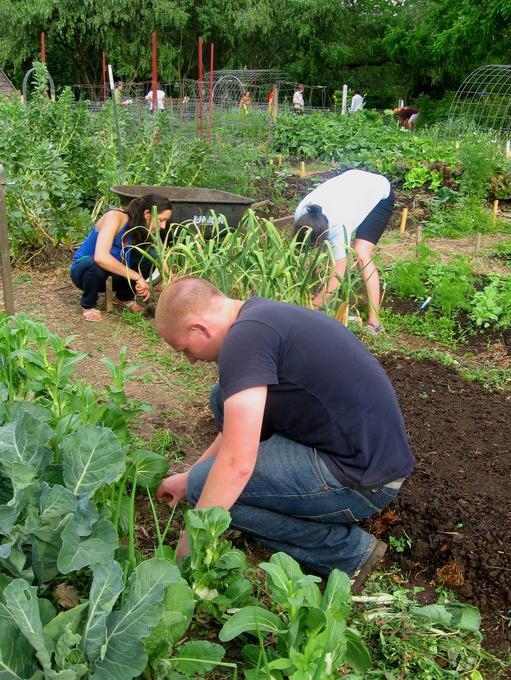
(456, 506)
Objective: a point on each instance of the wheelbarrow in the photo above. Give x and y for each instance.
(193, 204)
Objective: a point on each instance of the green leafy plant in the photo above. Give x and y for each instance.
(401, 543)
(309, 636)
(215, 570)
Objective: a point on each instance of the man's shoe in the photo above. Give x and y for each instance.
(372, 561)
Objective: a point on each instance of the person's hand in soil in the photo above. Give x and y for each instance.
(173, 489)
(142, 289)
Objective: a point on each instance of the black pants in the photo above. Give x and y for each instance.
(90, 278)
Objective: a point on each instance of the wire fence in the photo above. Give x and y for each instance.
(234, 100)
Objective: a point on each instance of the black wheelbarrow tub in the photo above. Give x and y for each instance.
(192, 203)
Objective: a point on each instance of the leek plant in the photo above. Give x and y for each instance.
(256, 258)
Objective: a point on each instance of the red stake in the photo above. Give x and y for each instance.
(104, 77)
(155, 76)
(211, 90)
(201, 122)
(43, 51)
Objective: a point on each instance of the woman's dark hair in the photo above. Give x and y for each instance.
(136, 225)
(312, 227)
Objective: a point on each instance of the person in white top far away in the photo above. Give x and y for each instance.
(160, 100)
(357, 102)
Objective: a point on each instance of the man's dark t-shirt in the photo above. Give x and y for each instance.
(325, 390)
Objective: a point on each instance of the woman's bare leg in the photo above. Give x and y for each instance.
(370, 277)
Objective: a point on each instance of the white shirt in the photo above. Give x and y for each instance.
(298, 102)
(346, 200)
(160, 99)
(357, 102)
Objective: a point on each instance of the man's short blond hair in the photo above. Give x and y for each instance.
(183, 298)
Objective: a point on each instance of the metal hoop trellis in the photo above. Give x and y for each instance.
(484, 99)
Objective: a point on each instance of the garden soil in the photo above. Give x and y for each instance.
(456, 507)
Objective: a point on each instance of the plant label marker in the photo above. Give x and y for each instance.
(404, 217)
(477, 246)
(302, 169)
(418, 238)
(508, 149)
(494, 211)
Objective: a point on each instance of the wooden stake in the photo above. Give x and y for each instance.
(508, 149)
(279, 159)
(495, 209)
(5, 261)
(302, 169)
(109, 295)
(343, 313)
(404, 217)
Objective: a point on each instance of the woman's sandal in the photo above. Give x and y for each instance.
(373, 328)
(91, 314)
(131, 305)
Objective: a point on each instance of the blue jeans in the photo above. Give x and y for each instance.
(90, 278)
(292, 503)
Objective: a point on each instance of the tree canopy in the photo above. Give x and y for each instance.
(387, 48)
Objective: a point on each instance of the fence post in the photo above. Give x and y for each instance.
(344, 105)
(5, 262)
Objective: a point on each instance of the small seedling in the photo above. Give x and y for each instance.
(399, 545)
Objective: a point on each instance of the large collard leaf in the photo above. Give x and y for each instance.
(92, 457)
(178, 607)
(17, 661)
(251, 620)
(197, 657)
(106, 587)
(56, 505)
(151, 467)
(80, 547)
(22, 604)
(25, 440)
(123, 653)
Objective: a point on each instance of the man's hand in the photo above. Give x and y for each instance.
(173, 489)
(182, 548)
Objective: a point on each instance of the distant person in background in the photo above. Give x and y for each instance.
(357, 102)
(160, 100)
(407, 117)
(245, 102)
(356, 203)
(298, 102)
(119, 85)
(271, 102)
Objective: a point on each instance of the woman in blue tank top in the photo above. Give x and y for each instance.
(106, 252)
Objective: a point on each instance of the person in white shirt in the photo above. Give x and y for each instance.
(355, 203)
(298, 102)
(160, 100)
(357, 102)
